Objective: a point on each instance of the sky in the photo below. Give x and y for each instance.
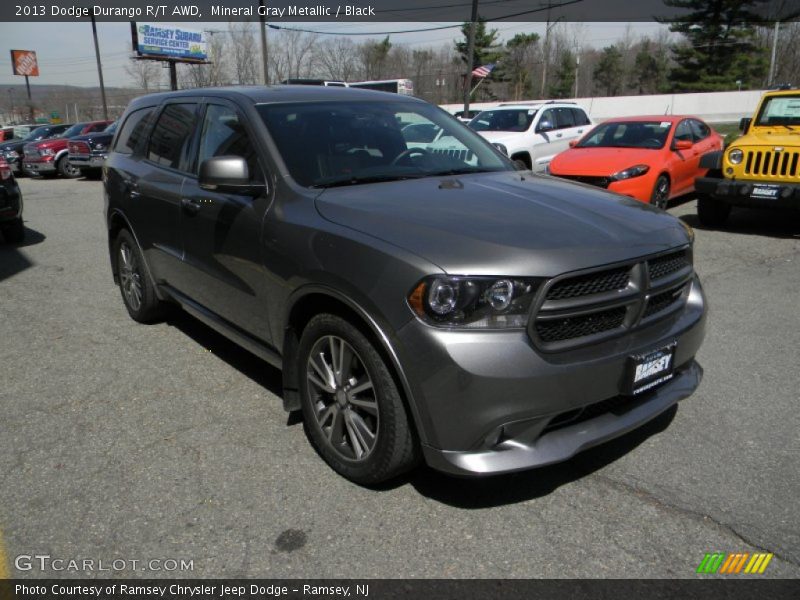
(66, 52)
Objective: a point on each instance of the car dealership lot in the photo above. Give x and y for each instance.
(123, 441)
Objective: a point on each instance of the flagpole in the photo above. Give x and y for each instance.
(478, 85)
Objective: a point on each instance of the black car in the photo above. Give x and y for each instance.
(13, 151)
(424, 300)
(11, 226)
(88, 152)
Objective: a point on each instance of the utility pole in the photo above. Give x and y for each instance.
(577, 67)
(774, 52)
(99, 68)
(264, 52)
(470, 57)
(545, 53)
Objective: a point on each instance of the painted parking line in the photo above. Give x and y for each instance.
(4, 572)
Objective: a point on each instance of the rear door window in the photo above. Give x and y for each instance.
(172, 135)
(564, 118)
(133, 131)
(580, 116)
(700, 130)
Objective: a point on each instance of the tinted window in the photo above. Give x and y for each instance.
(503, 120)
(132, 132)
(700, 130)
(224, 135)
(172, 134)
(684, 132)
(580, 116)
(549, 116)
(564, 118)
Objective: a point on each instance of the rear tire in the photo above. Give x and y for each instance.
(660, 195)
(353, 412)
(66, 170)
(135, 283)
(712, 212)
(14, 231)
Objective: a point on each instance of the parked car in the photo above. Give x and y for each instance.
(443, 306)
(14, 151)
(466, 117)
(532, 134)
(650, 158)
(11, 226)
(759, 169)
(50, 157)
(87, 153)
(6, 134)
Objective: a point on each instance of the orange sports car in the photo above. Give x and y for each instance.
(650, 158)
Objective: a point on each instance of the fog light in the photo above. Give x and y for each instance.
(729, 170)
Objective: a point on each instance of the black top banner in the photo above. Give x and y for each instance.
(366, 10)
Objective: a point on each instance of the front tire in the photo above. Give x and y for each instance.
(14, 231)
(66, 170)
(660, 194)
(712, 212)
(353, 412)
(135, 284)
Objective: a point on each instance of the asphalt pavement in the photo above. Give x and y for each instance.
(125, 442)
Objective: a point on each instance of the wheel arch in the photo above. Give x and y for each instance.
(315, 299)
(524, 156)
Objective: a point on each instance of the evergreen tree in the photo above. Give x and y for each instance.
(516, 65)
(564, 83)
(609, 71)
(650, 69)
(720, 48)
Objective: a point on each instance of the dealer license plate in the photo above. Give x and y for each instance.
(646, 371)
(769, 192)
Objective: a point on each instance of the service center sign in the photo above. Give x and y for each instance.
(157, 40)
(24, 63)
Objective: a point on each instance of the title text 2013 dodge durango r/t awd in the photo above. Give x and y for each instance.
(423, 301)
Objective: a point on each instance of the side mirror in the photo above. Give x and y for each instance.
(228, 174)
(573, 143)
(501, 147)
(544, 126)
(682, 145)
(744, 124)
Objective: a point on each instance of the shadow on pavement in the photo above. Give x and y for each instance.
(775, 223)
(240, 359)
(12, 261)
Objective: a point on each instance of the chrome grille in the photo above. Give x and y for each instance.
(771, 163)
(602, 182)
(586, 307)
(78, 148)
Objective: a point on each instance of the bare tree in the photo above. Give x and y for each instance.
(146, 74)
(244, 53)
(336, 59)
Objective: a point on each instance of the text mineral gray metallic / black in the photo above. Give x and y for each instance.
(424, 299)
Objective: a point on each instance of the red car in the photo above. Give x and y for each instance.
(50, 157)
(650, 158)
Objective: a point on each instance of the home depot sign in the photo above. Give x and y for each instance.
(24, 63)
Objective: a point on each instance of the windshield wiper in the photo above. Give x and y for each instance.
(461, 171)
(355, 180)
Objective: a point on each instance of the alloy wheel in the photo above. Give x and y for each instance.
(661, 193)
(130, 278)
(343, 398)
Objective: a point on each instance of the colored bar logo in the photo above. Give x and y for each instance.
(735, 563)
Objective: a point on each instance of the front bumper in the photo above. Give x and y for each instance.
(489, 402)
(39, 167)
(84, 161)
(10, 201)
(740, 192)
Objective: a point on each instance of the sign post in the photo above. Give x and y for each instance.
(23, 62)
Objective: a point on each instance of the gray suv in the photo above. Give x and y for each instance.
(423, 300)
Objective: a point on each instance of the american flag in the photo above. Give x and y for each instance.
(483, 71)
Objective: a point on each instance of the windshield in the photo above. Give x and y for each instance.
(346, 143)
(627, 134)
(780, 110)
(37, 134)
(111, 128)
(73, 131)
(503, 120)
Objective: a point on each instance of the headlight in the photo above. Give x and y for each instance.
(735, 156)
(46, 152)
(12, 154)
(473, 302)
(635, 171)
(99, 146)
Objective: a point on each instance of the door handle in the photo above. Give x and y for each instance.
(559, 134)
(190, 205)
(580, 130)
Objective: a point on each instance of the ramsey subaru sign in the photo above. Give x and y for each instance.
(152, 39)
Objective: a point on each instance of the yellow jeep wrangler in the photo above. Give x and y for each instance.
(761, 168)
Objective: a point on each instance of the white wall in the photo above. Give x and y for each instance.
(714, 107)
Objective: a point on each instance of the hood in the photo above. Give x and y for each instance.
(503, 223)
(98, 137)
(500, 136)
(13, 145)
(769, 136)
(599, 161)
(51, 143)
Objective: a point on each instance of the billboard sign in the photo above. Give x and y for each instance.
(158, 41)
(24, 63)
